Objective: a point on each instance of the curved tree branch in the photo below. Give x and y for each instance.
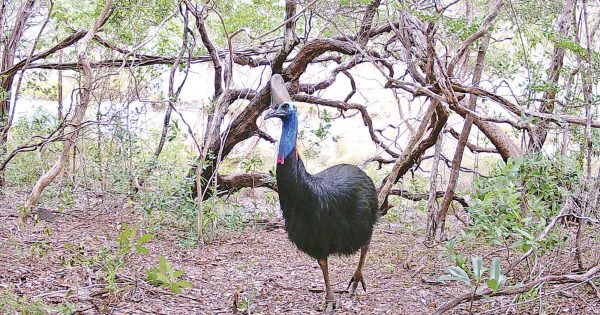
(486, 293)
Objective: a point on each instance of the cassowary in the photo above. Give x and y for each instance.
(331, 212)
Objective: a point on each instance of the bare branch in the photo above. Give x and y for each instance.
(473, 148)
(212, 50)
(404, 159)
(415, 196)
(486, 293)
(483, 29)
(343, 106)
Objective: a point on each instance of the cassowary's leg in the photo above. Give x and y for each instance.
(357, 277)
(329, 297)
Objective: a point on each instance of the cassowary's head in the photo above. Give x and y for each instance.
(284, 111)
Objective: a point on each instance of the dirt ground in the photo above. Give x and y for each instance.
(258, 268)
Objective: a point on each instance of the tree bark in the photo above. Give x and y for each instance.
(8, 59)
(440, 220)
(234, 182)
(72, 130)
(212, 50)
(431, 201)
(415, 196)
(538, 136)
(501, 141)
(2, 22)
(407, 157)
(59, 93)
(587, 96)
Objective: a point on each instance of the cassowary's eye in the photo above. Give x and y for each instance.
(285, 106)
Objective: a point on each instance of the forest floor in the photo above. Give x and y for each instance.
(58, 265)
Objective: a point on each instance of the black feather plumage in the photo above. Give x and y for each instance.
(331, 212)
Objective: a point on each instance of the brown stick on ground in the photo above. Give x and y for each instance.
(485, 293)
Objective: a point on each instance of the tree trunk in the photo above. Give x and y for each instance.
(431, 201)
(538, 135)
(8, 59)
(501, 141)
(589, 189)
(439, 222)
(59, 88)
(405, 157)
(72, 129)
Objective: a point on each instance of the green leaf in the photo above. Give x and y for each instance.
(145, 239)
(477, 267)
(522, 245)
(175, 288)
(185, 284)
(151, 277)
(525, 233)
(495, 269)
(460, 260)
(460, 274)
(492, 284)
(142, 250)
(178, 273)
(163, 264)
(451, 244)
(496, 285)
(161, 277)
(496, 280)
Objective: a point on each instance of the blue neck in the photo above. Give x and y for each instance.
(287, 143)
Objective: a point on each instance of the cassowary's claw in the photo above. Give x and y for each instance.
(330, 306)
(354, 284)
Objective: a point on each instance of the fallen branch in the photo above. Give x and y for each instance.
(233, 182)
(415, 196)
(485, 293)
(69, 291)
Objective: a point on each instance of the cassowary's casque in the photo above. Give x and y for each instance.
(331, 212)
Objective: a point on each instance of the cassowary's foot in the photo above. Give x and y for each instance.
(353, 284)
(330, 300)
(329, 296)
(357, 277)
(330, 305)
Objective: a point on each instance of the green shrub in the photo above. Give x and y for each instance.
(517, 201)
(13, 304)
(26, 167)
(166, 276)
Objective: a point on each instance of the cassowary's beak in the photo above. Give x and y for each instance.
(275, 113)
